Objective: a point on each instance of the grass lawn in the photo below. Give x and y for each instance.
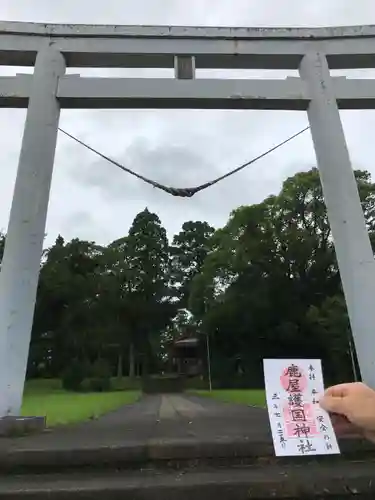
(254, 397)
(46, 398)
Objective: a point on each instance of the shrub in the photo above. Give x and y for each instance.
(100, 384)
(162, 384)
(73, 376)
(126, 384)
(100, 380)
(197, 383)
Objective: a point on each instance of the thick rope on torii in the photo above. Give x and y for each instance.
(183, 192)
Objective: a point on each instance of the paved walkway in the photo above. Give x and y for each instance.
(159, 418)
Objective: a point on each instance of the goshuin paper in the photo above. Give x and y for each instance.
(298, 423)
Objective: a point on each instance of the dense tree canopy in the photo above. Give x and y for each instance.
(264, 285)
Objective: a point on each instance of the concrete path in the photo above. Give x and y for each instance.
(148, 449)
(156, 419)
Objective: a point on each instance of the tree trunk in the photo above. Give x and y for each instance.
(119, 365)
(131, 361)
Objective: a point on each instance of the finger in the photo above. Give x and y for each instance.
(338, 391)
(333, 404)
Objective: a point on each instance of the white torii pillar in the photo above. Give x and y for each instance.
(24, 242)
(352, 244)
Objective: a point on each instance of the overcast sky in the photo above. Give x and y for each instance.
(93, 200)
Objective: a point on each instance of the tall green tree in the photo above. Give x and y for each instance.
(272, 262)
(150, 275)
(189, 250)
(329, 323)
(115, 302)
(266, 284)
(64, 324)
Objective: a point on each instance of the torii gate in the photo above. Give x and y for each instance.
(50, 48)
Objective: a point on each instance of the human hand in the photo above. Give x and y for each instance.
(353, 403)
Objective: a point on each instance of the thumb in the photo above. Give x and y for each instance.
(333, 404)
